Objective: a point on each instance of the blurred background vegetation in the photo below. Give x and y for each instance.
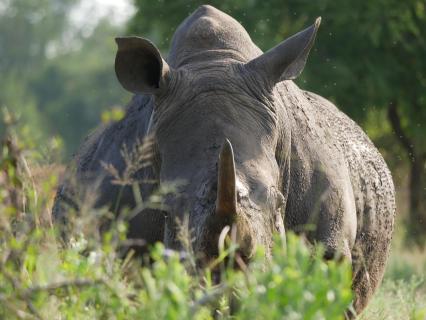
(56, 66)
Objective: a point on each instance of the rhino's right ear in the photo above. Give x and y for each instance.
(139, 66)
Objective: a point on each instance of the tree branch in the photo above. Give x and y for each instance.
(51, 287)
(395, 121)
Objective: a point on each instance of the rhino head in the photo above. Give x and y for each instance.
(220, 125)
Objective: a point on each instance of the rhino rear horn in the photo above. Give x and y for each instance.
(139, 66)
(287, 60)
(226, 201)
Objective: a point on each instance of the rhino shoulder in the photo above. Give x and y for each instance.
(103, 145)
(370, 177)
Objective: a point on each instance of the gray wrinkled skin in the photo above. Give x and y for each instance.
(300, 162)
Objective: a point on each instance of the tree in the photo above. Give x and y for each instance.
(27, 28)
(369, 58)
(58, 78)
(74, 88)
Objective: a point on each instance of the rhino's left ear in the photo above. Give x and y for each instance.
(287, 60)
(139, 66)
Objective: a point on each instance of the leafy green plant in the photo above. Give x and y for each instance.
(296, 285)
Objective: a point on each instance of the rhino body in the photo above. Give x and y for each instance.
(254, 150)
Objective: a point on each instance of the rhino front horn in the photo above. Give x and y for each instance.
(226, 201)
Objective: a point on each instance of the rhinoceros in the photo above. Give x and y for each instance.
(252, 149)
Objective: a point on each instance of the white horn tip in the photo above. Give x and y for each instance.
(317, 22)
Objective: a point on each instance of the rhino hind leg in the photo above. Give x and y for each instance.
(376, 215)
(362, 234)
(373, 241)
(368, 258)
(369, 262)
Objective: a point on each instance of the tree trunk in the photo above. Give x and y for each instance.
(417, 218)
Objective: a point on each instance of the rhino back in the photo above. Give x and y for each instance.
(103, 144)
(102, 147)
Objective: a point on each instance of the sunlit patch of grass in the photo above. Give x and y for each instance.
(398, 300)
